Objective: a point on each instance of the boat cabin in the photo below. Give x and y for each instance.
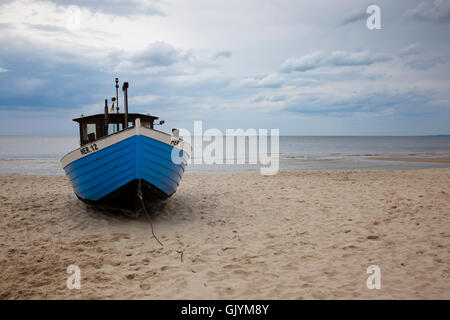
(100, 125)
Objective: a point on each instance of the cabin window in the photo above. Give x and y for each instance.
(111, 128)
(115, 127)
(89, 132)
(91, 129)
(147, 124)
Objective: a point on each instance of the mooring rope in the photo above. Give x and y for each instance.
(139, 194)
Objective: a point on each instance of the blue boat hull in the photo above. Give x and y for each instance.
(112, 175)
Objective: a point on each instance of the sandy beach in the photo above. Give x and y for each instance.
(295, 235)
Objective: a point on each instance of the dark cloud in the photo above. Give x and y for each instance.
(436, 12)
(157, 54)
(41, 78)
(222, 54)
(354, 18)
(162, 58)
(426, 63)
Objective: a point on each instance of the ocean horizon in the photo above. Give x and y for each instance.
(41, 154)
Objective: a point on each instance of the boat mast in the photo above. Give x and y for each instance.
(117, 99)
(125, 101)
(105, 131)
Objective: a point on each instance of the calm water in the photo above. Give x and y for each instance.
(40, 155)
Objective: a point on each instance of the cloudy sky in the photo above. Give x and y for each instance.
(305, 67)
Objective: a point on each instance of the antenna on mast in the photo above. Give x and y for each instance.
(117, 95)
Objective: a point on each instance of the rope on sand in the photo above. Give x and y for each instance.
(139, 194)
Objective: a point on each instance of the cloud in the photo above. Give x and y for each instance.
(353, 18)
(29, 84)
(222, 54)
(5, 25)
(436, 12)
(426, 63)
(162, 58)
(47, 78)
(157, 54)
(372, 103)
(47, 27)
(358, 58)
(271, 98)
(118, 7)
(3, 70)
(412, 49)
(145, 99)
(336, 58)
(416, 59)
(179, 66)
(273, 80)
(41, 78)
(304, 63)
(445, 103)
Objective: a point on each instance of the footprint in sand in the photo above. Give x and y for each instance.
(230, 266)
(211, 274)
(119, 236)
(240, 272)
(146, 286)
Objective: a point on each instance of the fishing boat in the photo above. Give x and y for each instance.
(123, 161)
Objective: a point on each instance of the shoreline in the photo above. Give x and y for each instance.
(412, 159)
(294, 235)
(318, 162)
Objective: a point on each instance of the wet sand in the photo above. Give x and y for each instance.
(295, 235)
(411, 159)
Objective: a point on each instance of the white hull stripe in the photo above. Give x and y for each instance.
(107, 141)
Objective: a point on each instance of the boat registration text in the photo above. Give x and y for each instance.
(88, 149)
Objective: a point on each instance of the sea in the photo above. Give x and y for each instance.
(41, 155)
